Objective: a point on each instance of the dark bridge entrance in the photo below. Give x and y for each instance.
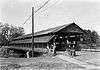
(68, 41)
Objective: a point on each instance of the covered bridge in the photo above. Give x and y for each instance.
(59, 38)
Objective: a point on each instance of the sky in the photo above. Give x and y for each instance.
(85, 13)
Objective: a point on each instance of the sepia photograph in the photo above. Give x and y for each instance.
(49, 35)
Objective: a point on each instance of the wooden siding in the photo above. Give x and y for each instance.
(43, 39)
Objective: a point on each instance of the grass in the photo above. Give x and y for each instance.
(46, 63)
(85, 55)
(89, 57)
(40, 63)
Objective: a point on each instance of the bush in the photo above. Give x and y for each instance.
(3, 52)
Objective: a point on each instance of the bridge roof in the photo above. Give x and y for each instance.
(47, 31)
(44, 36)
(43, 39)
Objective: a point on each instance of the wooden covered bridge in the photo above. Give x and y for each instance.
(59, 38)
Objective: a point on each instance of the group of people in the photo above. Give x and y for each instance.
(71, 48)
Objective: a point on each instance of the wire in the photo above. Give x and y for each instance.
(36, 4)
(49, 6)
(43, 10)
(36, 11)
(41, 6)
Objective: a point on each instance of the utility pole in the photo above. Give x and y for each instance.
(33, 12)
(32, 31)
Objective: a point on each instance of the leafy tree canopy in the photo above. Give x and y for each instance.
(8, 32)
(91, 37)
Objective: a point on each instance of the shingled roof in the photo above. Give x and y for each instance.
(37, 36)
(47, 31)
(43, 39)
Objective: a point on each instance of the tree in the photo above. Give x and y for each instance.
(94, 37)
(91, 38)
(8, 32)
(87, 36)
(3, 40)
(15, 32)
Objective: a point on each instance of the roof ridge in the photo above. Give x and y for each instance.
(63, 27)
(46, 31)
(53, 27)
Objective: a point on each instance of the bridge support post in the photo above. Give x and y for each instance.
(27, 53)
(54, 50)
(48, 49)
